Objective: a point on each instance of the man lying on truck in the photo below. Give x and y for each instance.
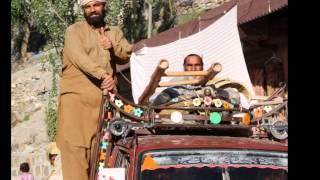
(194, 62)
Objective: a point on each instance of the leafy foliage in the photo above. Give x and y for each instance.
(135, 27)
(135, 17)
(113, 12)
(20, 12)
(166, 15)
(52, 17)
(21, 22)
(188, 17)
(51, 112)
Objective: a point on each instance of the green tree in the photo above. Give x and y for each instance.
(21, 23)
(135, 27)
(113, 12)
(52, 17)
(135, 17)
(165, 14)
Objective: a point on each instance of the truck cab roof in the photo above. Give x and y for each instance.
(151, 142)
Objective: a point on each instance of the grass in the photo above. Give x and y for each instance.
(188, 17)
(51, 112)
(26, 117)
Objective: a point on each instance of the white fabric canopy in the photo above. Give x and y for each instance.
(219, 42)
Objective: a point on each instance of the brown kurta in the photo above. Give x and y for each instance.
(84, 62)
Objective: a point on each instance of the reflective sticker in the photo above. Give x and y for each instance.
(246, 119)
(112, 96)
(101, 165)
(137, 112)
(217, 102)
(148, 163)
(174, 99)
(102, 156)
(111, 174)
(103, 145)
(119, 103)
(226, 105)
(106, 136)
(196, 101)
(215, 118)
(128, 108)
(258, 112)
(207, 100)
(267, 108)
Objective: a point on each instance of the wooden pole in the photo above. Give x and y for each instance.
(154, 81)
(149, 19)
(176, 83)
(206, 76)
(212, 72)
(186, 73)
(94, 155)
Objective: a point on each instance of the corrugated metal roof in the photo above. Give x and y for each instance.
(249, 10)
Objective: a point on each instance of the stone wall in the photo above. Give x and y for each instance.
(30, 85)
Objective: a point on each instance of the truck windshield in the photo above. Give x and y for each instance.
(213, 164)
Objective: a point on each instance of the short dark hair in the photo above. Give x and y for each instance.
(24, 167)
(185, 59)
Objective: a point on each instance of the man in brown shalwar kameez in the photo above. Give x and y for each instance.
(91, 50)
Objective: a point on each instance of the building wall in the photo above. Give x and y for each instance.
(266, 51)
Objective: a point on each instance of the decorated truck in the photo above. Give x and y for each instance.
(200, 128)
(191, 130)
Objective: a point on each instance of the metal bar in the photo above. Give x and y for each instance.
(191, 117)
(200, 108)
(133, 118)
(266, 103)
(271, 112)
(197, 126)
